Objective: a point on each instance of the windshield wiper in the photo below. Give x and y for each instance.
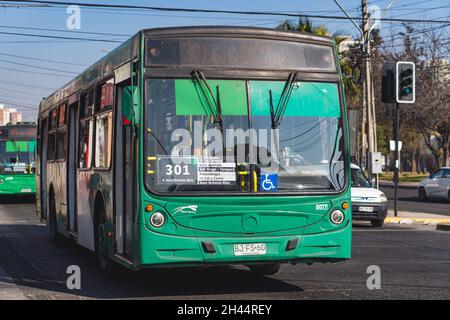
(277, 114)
(214, 105)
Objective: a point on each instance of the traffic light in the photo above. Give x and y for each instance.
(405, 82)
(388, 82)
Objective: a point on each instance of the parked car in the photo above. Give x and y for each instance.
(368, 203)
(437, 185)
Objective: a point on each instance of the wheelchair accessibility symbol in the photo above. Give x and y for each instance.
(268, 182)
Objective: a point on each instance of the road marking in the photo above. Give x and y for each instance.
(422, 220)
(395, 230)
(8, 289)
(22, 221)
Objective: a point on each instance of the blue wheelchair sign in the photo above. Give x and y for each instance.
(268, 182)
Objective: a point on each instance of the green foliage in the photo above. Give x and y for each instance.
(304, 25)
(350, 74)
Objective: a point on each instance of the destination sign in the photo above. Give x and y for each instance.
(18, 133)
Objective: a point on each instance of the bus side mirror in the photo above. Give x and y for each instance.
(130, 104)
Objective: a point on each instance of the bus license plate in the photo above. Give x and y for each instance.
(25, 190)
(366, 209)
(249, 249)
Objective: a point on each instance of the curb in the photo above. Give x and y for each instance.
(443, 227)
(400, 185)
(409, 220)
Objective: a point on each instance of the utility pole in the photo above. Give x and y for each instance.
(396, 156)
(369, 139)
(368, 104)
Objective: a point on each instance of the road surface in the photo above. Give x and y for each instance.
(414, 263)
(408, 201)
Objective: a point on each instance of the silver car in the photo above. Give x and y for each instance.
(436, 186)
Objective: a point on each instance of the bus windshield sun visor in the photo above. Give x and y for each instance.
(214, 106)
(277, 115)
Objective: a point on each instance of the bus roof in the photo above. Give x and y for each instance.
(130, 48)
(19, 124)
(237, 31)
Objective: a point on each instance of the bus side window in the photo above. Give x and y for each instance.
(51, 147)
(87, 103)
(60, 144)
(61, 134)
(85, 144)
(105, 96)
(103, 143)
(103, 124)
(52, 135)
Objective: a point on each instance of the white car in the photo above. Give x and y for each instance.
(436, 186)
(367, 203)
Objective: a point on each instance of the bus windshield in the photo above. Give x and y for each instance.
(221, 136)
(17, 156)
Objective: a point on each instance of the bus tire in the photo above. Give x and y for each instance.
(55, 237)
(104, 262)
(265, 269)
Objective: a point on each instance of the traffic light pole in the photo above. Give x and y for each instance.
(396, 156)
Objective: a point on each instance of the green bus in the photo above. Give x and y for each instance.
(17, 159)
(194, 146)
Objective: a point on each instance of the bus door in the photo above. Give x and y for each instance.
(72, 165)
(43, 167)
(123, 171)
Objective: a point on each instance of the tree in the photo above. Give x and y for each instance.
(430, 115)
(348, 60)
(304, 25)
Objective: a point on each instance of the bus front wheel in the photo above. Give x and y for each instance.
(265, 269)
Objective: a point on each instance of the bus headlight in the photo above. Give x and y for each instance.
(157, 219)
(337, 216)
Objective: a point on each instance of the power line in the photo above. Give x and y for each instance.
(9, 102)
(58, 37)
(24, 85)
(41, 41)
(17, 91)
(395, 37)
(16, 98)
(131, 12)
(266, 13)
(37, 67)
(33, 72)
(43, 60)
(66, 31)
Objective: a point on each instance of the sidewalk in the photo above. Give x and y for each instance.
(409, 185)
(407, 217)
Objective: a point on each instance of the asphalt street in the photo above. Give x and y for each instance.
(409, 201)
(414, 261)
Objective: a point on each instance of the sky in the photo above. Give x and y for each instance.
(33, 67)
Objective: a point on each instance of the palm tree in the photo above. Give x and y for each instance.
(304, 25)
(352, 87)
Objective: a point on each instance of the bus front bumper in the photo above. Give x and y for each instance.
(161, 250)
